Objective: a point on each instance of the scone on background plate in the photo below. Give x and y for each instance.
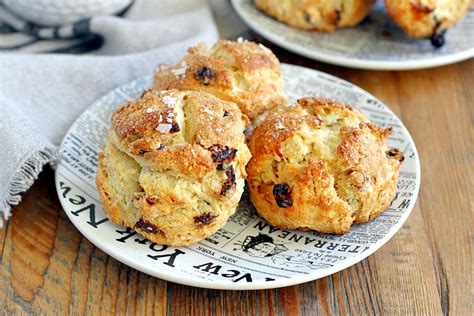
(242, 72)
(321, 166)
(317, 15)
(173, 165)
(427, 18)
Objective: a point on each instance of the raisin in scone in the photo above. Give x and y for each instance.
(173, 165)
(321, 166)
(317, 15)
(427, 18)
(243, 72)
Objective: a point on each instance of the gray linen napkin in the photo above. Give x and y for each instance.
(41, 95)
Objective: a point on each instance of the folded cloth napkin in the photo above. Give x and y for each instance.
(42, 94)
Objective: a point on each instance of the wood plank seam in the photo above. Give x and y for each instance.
(7, 225)
(442, 280)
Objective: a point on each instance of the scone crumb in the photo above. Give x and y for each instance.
(164, 128)
(206, 110)
(180, 71)
(169, 101)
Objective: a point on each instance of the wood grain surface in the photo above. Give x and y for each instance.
(48, 267)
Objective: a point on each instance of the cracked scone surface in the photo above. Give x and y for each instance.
(243, 72)
(424, 18)
(321, 166)
(317, 15)
(173, 165)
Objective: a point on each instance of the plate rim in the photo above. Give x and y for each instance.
(425, 63)
(218, 284)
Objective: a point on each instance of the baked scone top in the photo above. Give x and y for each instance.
(423, 18)
(321, 165)
(243, 72)
(173, 165)
(317, 15)
(180, 131)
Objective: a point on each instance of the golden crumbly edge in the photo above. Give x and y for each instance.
(317, 15)
(322, 166)
(243, 72)
(424, 18)
(173, 165)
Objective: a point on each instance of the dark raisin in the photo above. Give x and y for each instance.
(222, 153)
(395, 153)
(366, 20)
(307, 17)
(142, 152)
(175, 128)
(229, 183)
(437, 39)
(147, 226)
(161, 146)
(386, 33)
(226, 114)
(205, 75)
(336, 18)
(204, 219)
(220, 166)
(150, 200)
(282, 194)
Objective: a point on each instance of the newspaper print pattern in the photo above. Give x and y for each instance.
(376, 39)
(247, 253)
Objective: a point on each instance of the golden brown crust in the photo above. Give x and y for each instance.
(242, 72)
(317, 15)
(423, 18)
(320, 165)
(173, 165)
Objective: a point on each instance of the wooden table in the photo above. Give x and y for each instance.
(47, 266)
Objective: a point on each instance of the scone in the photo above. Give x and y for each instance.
(173, 165)
(427, 18)
(321, 166)
(242, 72)
(317, 15)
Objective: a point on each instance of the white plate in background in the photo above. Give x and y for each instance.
(375, 44)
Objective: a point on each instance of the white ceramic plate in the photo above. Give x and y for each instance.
(247, 253)
(375, 44)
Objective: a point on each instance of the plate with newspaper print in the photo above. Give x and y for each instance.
(247, 253)
(376, 43)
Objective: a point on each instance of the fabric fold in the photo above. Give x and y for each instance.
(41, 95)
